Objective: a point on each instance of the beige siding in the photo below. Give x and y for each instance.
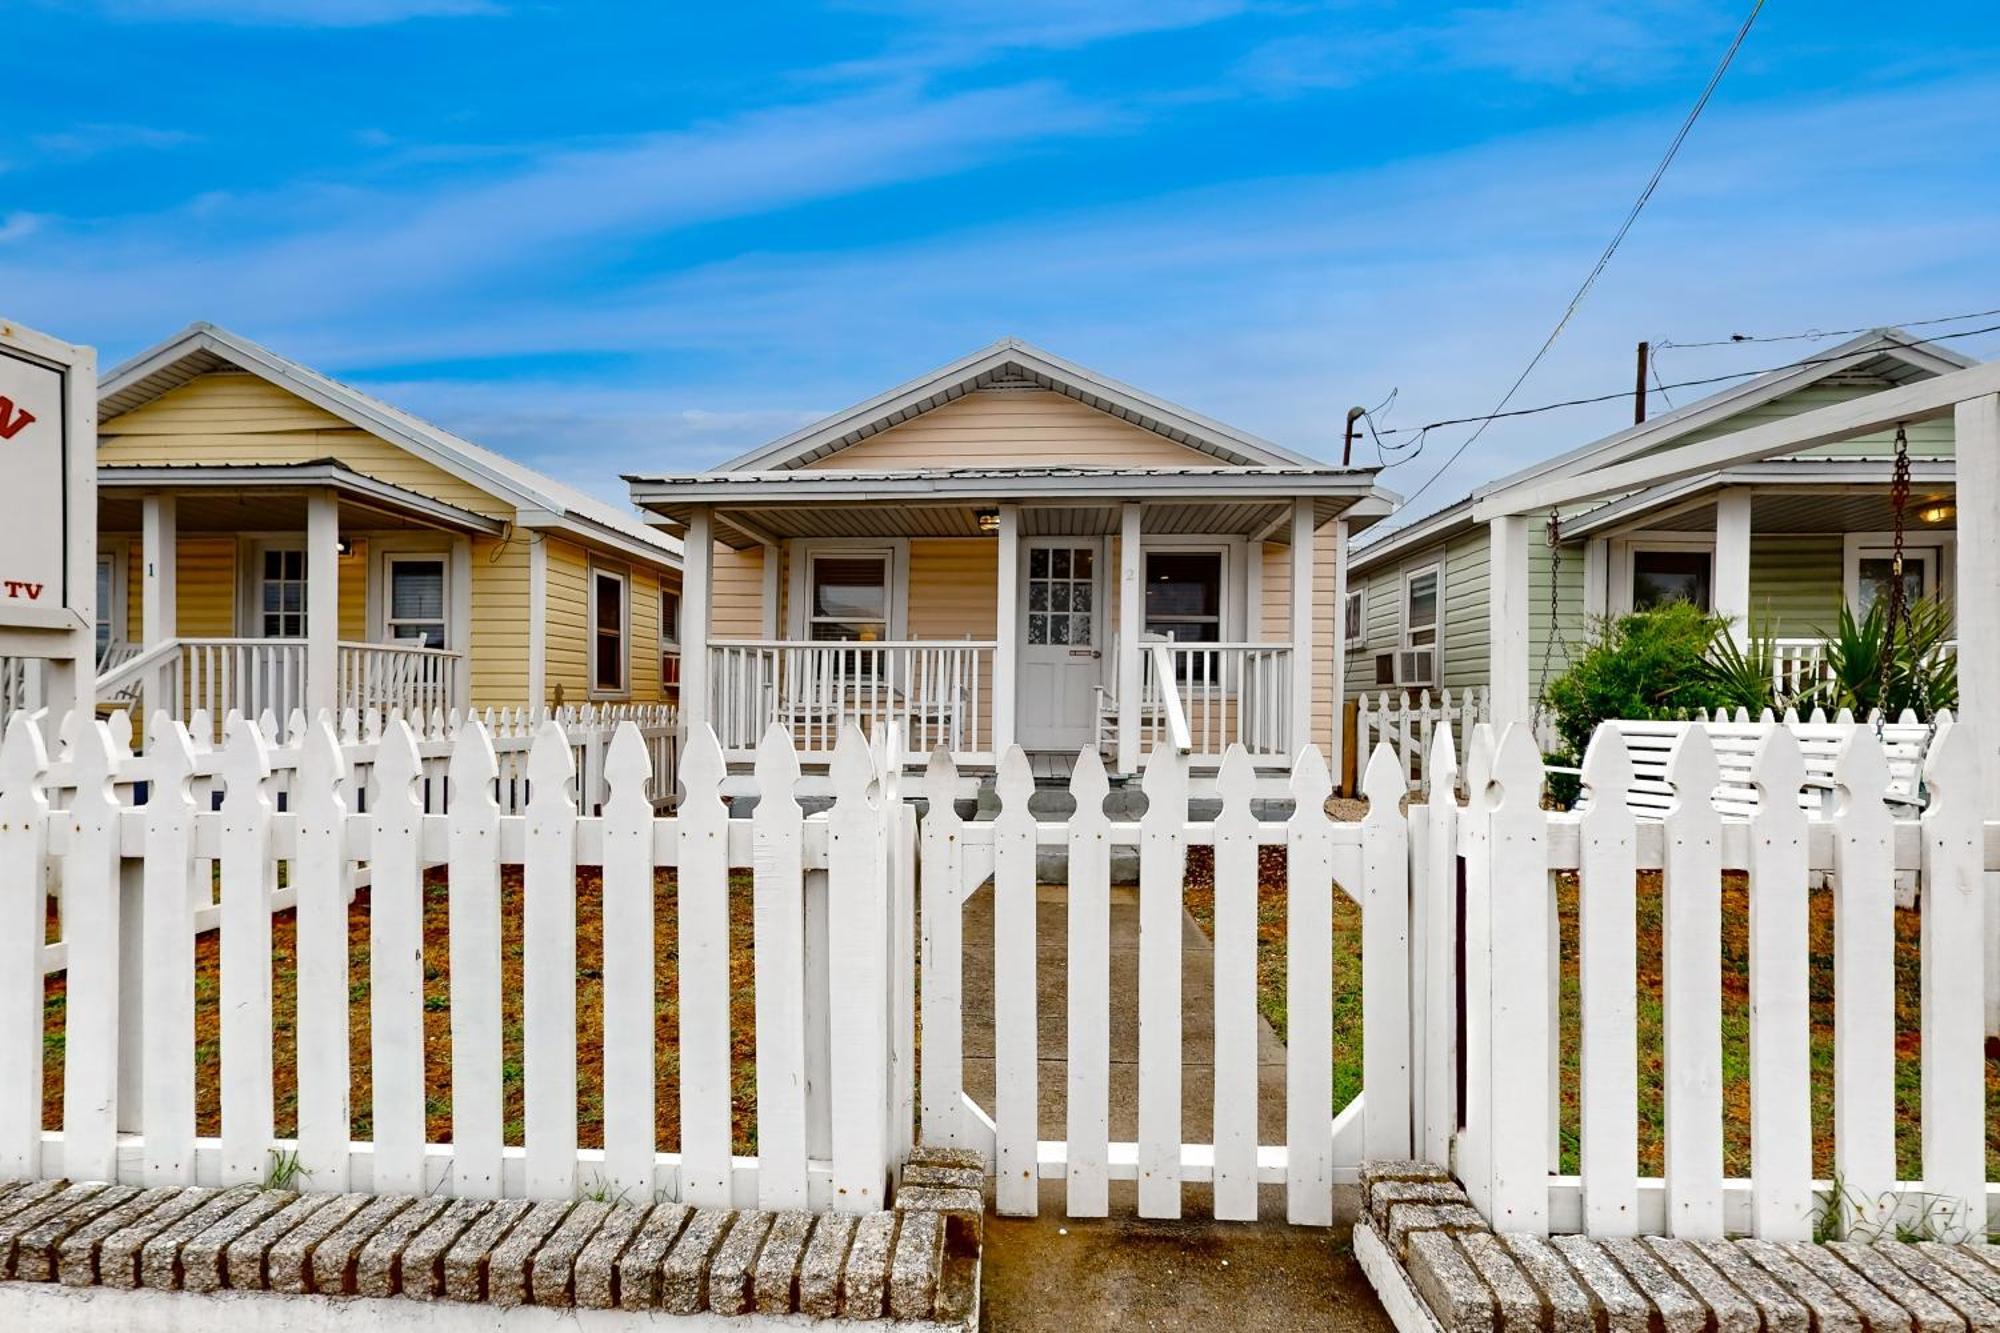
(953, 586)
(498, 665)
(1276, 617)
(1019, 428)
(737, 595)
(240, 418)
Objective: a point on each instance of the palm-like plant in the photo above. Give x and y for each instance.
(1743, 675)
(1918, 675)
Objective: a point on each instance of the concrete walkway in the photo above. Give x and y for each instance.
(1052, 1015)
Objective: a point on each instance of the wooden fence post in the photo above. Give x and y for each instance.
(548, 969)
(168, 1109)
(1781, 1198)
(702, 898)
(777, 836)
(1435, 907)
(24, 905)
(1518, 900)
(1235, 1060)
(473, 912)
(630, 1016)
(1691, 976)
(1162, 877)
(247, 874)
(396, 964)
(1089, 964)
(1608, 965)
(1309, 979)
(324, 967)
(1385, 958)
(1864, 981)
(1952, 984)
(943, 958)
(1016, 1041)
(858, 958)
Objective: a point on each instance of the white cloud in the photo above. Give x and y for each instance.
(19, 226)
(298, 13)
(93, 139)
(948, 34)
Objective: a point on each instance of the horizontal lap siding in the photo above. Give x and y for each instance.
(1550, 655)
(643, 651)
(1015, 428)
(205, 597)
(1276, 617)
(239, 418)
(737, 594)
(954, 594)
(568, 612)
(500, 594)
(354, 594)
(1468, 599)
(1796, 584)
(1928, 439)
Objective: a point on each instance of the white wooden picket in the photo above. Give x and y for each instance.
(128, 836)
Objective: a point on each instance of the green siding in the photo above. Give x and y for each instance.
(1795, 584)
(1928, 439)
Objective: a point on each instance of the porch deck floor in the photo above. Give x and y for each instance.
(1052, 1020)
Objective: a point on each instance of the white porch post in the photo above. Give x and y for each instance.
(1131, 609)
(1007, 627)
(1731, 594)
(1302, 622)
(322, 601)
(1337, 740)
(1507, 620)
(697, 557)
(538, 623)
(1977, 446)
(158, 544)
(1597, 577)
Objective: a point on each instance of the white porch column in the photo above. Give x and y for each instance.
(1596, 577)
(538, 623)
(1337, 740)
(1302, 623)
(697, 560)
(158, 545)
(322, 601)
(1131, 618)
(1007, 628)
(1507, 620)
(1977, 446)
(1730, 595)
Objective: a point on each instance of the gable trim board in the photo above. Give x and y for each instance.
(1008, 363)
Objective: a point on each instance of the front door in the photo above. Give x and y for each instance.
(1062, 641)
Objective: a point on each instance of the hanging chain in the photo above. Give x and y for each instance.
(1553, 536)
(1899, 610)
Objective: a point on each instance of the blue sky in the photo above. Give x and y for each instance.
(608, 238)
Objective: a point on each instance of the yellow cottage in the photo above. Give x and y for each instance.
(1015, 549)
(271, 538)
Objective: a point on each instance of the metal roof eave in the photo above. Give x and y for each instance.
(288, 476)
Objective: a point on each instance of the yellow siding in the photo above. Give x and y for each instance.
(1277, 618)
(1021, 428)
(953, 586)
(499, 660)
(643, 663)
(568, 611)
(354, 594)
(737, 594)
(233, 417)
(135, 573)
(205, 601)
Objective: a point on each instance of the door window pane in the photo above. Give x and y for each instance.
(1659, 577)
(416, 602)
(281, 597)
(1060, 583)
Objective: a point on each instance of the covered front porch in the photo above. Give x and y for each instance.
(980, 609)
(285, 587)
(1779, 547)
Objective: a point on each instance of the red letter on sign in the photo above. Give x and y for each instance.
(12, 422)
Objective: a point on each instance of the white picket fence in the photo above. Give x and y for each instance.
(1368, 861)
(1407, 725)
(825, 892)
(1494, 861)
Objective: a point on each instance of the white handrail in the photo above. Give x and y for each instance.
(134, 669)
(937, 689)
(1170, 700)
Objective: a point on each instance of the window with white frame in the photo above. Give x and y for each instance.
(1354, 619)
(1871, 574)
(608, 625)
(108, 613)
(670, 638)
(416, 612)
(1416, 658)
(848, 597)
(1661, 575)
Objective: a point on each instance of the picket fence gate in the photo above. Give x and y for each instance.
(1368, 860)
(824, 908)
(1409, 725)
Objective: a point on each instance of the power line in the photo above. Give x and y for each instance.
(1604, 260)
(1623, 394)
(1820, 335)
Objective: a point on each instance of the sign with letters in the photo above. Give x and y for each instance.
(44, 450)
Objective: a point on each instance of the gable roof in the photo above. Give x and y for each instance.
(1014, 363)
(539, 501)
(1890, 353)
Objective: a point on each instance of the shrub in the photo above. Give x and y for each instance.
(1648, 664)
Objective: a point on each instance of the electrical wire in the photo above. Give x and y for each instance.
(1604, 259)
(1820, 335)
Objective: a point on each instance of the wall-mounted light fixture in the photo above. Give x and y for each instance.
(988, 521)
(1943, 511)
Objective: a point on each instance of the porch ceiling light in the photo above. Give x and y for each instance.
(988, 521)
(1942, 512)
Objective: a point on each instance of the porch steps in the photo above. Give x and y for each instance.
(1439, 1268)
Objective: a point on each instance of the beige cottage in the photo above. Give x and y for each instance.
(1015, 549)
(270, 538)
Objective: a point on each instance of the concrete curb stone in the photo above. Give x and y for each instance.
(825, 1257)
(595, 1281)
(35, 1250)
(76, 1253)
(732, 1272)
(377, 1269)
(1830, 1314)
(507, 1275)
(1977, 1310)
(1618, 1305)
(243, 1258)
(33, 1217)
(915, 1265)
(288, 1267)
(421, 1269)
(1445, 1279)
(1515, 1301)
(1880, 1313)
(639, 1266)
(777, 1275)
(159, 1260)
(1927, 1310)
(554, 1266)
(335, 1257)
(1729, 1309)
(204, 1259)
(1678, 1309)
(465, 1263)
(119, 1253)
(683, 1285)
(864, 1280)
(1406, 1219)
(1964, 1266)
(1779, 1310)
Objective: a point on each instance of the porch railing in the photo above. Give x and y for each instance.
(417, 680)
(253, 676)
(1799, 664)
(939, 690)
(1229, 694)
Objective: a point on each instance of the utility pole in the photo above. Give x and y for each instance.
(1639, 385)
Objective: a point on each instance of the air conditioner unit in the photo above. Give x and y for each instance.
(1416, 666)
